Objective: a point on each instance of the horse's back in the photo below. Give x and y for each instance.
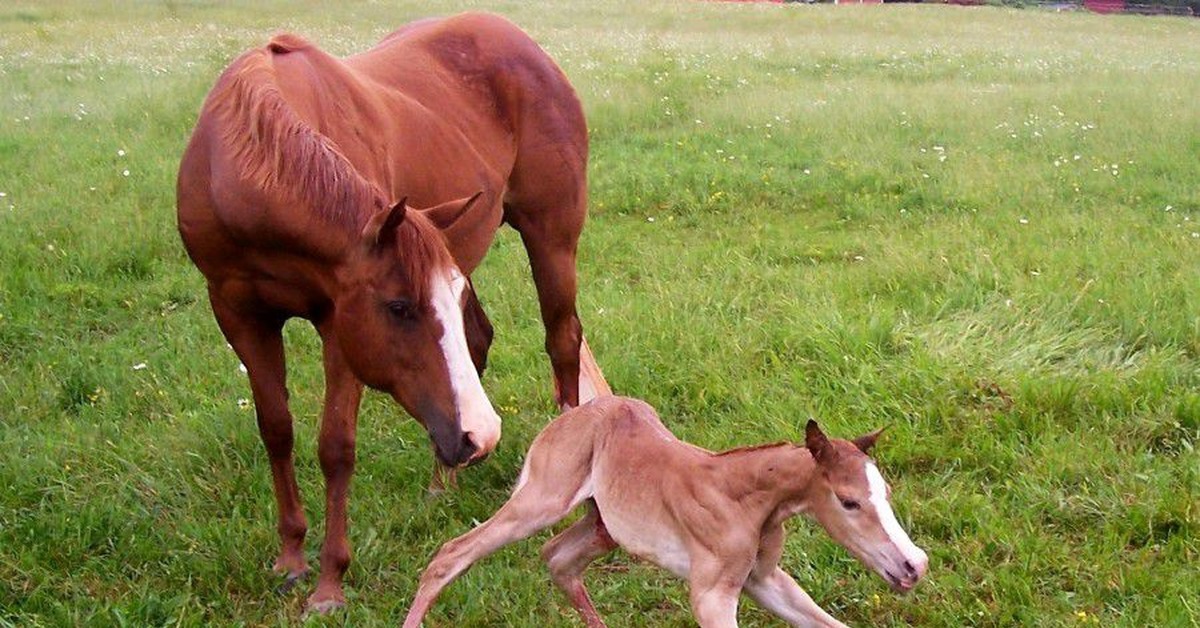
(440, 109)
(492, 74)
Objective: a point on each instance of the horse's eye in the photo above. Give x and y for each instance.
(850, 504)
(403, 310)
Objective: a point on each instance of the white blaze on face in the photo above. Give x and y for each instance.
(475, 412)
(887, 519)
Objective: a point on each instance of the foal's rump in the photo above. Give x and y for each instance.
(561, 456)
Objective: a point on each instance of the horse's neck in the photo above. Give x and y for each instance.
(337, 103)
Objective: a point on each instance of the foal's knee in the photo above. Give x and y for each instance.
(444, 563)
(552, 556)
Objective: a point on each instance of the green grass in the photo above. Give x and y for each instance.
(978, 226)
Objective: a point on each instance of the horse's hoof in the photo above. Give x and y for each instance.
(293, 566)
(323, 606)
(289, 583)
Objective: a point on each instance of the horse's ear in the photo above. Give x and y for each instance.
(816, 442)
(381, 228)
(444, 215)
(867, 441)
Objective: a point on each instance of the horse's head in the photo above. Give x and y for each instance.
(409, 324)
(850, 500)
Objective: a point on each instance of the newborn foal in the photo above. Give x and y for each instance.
(713, 519)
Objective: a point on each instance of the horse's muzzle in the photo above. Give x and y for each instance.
(455, 449)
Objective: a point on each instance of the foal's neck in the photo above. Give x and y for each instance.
(773, 477)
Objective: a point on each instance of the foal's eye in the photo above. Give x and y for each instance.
(850, 504)
(402, 309)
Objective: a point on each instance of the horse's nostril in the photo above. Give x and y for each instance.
(909, 568)
(466, 449)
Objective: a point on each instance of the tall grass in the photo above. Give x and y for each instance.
(977, 226)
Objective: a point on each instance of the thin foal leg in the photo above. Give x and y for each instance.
(779, 593)
(525, 513)
(570, 552)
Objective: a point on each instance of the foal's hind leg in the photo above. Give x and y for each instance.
(535, 506)
(570, 552)
(257, 339)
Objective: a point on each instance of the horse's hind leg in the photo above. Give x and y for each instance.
(570, 552)
(548, 211)
(257, 339)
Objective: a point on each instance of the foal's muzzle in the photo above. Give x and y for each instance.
(904, 572)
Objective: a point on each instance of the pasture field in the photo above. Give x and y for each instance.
(980, 227)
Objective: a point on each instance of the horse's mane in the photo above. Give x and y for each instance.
(277, 151)
(752, 448)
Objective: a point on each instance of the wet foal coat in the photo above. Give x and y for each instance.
(715, 520)
(290, 202)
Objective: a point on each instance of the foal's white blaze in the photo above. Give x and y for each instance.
(476, 416)
(879, 499)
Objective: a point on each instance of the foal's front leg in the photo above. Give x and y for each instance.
(714, 583)
(335, 448)
(779, 593)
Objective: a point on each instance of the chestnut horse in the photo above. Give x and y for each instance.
(288, 203)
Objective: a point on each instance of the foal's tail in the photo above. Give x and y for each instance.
(591, 379)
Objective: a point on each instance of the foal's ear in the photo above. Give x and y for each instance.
(867, 441)
(816, 442)
(445, 215)
(381, 228)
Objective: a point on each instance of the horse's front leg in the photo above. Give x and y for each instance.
(258, 341)
(335, 448)
(714, 583)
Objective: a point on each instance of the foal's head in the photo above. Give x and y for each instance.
(850, 500)
(408, 322)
